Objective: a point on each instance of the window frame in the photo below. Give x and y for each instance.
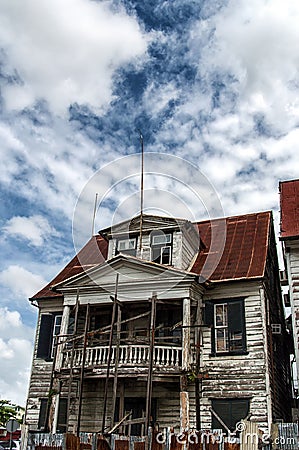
(129, 250)
(228, 328)
(55, 332)
(166, 242)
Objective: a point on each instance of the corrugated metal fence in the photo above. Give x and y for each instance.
(284, 436)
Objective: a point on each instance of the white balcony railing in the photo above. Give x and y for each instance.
(129, 355)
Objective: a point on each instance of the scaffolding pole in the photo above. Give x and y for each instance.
(109, 355)
(150, 365)
(82, 368)
(71, 362)
(118, 329)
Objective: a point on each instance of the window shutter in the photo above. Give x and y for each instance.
(236, 320)
(62, 413)
(209, 314)
(42, 414)
(45, 336)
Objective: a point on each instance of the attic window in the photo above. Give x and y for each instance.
(161, 248)
(127, 246)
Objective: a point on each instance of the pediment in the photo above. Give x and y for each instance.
(129, 270)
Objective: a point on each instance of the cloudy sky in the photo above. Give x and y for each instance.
(213, 82)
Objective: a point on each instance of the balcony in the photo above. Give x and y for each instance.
(130, 356)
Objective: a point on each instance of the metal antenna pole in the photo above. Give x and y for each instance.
(94, 214)
(141, 189)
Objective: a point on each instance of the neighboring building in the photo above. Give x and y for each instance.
(289, 235)
(185, 351)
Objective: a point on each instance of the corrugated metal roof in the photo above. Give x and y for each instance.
(243, 257)
(245, 249)
(289, 208)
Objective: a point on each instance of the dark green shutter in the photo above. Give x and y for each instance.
(42, 414)
(209, 314)
(208, 317)
(62, 413)
(236, 320)
(45, 336)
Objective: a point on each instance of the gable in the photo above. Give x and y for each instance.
(129, 270)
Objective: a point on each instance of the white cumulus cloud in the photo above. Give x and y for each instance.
(20, 281)
(16, 345)
(35, 229)
(65, 52)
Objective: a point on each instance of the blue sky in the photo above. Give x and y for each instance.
(213, 82)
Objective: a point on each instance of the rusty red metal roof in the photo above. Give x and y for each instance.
(289, 209)
(245, 249)
(92, 254)
(243, 255)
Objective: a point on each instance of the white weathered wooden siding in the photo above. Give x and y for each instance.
(238, 376)
(292, 260)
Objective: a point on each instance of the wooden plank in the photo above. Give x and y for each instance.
(122, 445)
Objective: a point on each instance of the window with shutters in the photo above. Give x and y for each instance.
(227, 321)
(230, 412)
(62, 415)
(50, 325)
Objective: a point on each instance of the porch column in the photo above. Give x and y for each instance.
(63, 331)
(184, 404)
(184, 395)
(186, 334)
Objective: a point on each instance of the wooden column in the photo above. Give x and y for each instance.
(186, 334)
(184, 395)
(82, 369)
(63, 331)
(184, 404)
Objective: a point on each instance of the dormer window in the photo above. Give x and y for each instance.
(127, 246)
(161, 248)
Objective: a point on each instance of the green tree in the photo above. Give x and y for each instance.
(7, 411)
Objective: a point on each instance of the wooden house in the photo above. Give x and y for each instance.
(289, 236)
(159, 321)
